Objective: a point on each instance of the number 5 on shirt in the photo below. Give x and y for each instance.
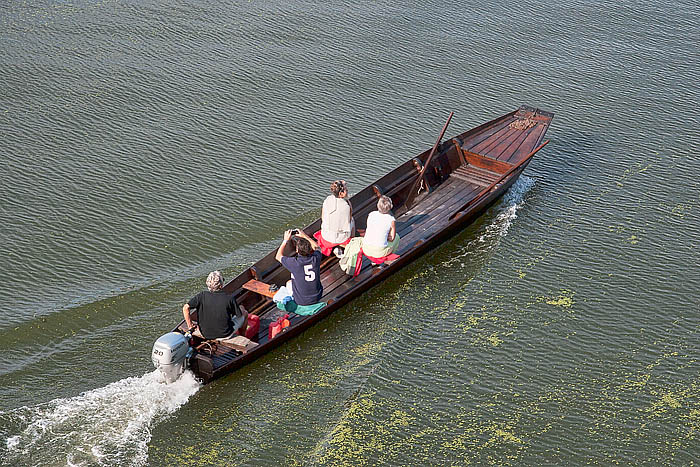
(309, 274)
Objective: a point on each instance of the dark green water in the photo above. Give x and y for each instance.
(144, 144)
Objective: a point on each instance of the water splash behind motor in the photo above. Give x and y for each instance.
(105, 426)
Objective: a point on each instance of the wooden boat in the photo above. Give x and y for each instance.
(435, 195)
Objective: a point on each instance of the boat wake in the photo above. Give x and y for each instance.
(105, 426)
(512, 200)
(490, 234)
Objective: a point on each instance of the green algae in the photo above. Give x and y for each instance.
(564, 299)
(358, 433)
(561, 301)
(494, 340)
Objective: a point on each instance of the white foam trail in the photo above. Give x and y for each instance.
(508, 208)
(513, 200)
(106, 426)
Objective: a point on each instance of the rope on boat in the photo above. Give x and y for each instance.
(207, 346)
(524, 119)
(522, 124)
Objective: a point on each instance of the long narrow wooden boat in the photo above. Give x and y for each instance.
(435, 195)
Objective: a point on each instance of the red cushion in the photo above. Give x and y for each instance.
(358, 265)
(327, 247)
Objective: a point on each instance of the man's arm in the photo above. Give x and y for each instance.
(392, 232)
(186, 314)
(280, 250)
(239, 311)
(194, 302)
(312, 241)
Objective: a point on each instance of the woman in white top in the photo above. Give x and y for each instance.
(337, 224)
(381, 238)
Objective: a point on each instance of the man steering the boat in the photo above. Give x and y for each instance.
(305, 267)
(219, 316)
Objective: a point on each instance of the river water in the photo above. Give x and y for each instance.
(146, 143)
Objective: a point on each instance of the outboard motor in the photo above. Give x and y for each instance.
(171, 353)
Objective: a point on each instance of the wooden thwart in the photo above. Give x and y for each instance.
(475, 175)
(259, 287)
(487, 163)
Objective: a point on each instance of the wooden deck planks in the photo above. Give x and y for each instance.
(528, 144)
(486, 134)
(487, 146)
(439, 220)
(505, 142)
(499, 146)
(505, 150)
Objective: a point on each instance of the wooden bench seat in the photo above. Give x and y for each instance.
(259, 287)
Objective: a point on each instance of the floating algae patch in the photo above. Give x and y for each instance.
(671, 400)
(489, 325)
(369, 430)
(564, 299)
(678, 211)
(210, 453)
(502, 433)
(471, 322)
(692, 421)
(482, 436)
(494, 340)
(635, 382)
(632, 172)
(368, 349)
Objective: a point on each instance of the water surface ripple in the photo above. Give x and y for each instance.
(145, 144)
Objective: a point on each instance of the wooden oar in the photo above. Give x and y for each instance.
(416, 185)
(503, 177)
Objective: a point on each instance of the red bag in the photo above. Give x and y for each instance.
(253, 328)
(278, 326)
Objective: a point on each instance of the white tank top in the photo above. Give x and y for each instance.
(378, 228)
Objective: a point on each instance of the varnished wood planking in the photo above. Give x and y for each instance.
(506, 149)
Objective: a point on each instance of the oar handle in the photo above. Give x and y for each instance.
(414, 188)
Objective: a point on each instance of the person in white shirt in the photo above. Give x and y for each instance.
(337, 224)
(381, 238)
